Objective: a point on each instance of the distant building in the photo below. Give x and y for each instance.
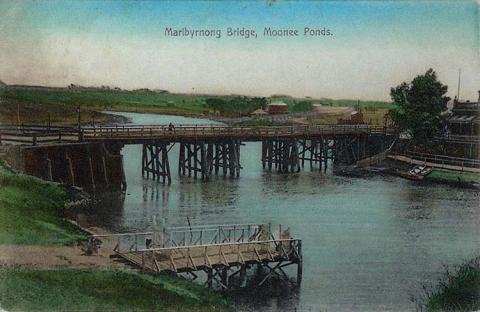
(464, 119)
(338, 111)
(354, 118)
(463, 129)
(277, 108)
(258, 112)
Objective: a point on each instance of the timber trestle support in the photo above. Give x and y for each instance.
(205, 158)
(155, 161)
(196, 158)
(289, 155)
(281, 154)
(201, 159)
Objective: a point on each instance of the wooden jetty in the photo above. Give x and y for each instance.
(221, 251)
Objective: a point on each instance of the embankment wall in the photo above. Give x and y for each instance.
(89, 165)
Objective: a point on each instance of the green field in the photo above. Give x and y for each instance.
(29, 210)
(91, 290)
(60, 104)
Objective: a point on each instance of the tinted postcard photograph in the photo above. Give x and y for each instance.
(269, 156)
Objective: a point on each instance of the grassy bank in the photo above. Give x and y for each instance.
(459, 290)
(43, 107)
(89, 290)
(29, 212)
(36, 104)
(450, 176)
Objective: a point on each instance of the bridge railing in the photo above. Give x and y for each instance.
(442, 159)
(36, 128)
(196, 131)
(184, 236)
(35, 134)
(461, 138)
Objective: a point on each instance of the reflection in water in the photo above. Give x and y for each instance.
(155, 192)
(280, 293)
(107, 210)
(368, 243)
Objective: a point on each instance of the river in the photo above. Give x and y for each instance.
(369, 244)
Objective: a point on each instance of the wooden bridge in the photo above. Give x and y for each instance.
(221, 251)
(139, 134)
(208, 149)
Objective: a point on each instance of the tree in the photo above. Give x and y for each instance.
(216, 104)
(303, 106)
(420, 106)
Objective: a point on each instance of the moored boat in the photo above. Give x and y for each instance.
(417, 173)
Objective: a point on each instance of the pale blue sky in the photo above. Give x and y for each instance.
(376, 44)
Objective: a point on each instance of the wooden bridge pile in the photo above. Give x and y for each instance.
(221, 251)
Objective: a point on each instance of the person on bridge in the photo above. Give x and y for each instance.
(170, 127)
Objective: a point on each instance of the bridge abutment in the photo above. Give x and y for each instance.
(93, 166)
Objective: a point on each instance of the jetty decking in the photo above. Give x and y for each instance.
(221, 251)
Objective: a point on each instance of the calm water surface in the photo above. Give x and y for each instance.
(368, 243)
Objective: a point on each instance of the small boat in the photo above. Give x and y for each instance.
(408, 175)
(418, 173)
(420, 170)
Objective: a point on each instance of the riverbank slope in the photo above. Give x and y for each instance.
(43, 267)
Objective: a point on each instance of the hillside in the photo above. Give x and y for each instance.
(38, 104)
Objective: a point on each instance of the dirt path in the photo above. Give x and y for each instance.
(54, 257)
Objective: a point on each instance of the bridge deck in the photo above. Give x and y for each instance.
(146, 133)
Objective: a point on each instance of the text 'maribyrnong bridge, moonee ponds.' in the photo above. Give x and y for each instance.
(207, 149)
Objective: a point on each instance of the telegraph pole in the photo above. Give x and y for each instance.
(18, 115)
(79, 119)
(458, 89)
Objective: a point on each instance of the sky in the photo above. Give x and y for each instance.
(375, 45)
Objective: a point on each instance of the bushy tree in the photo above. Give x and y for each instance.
(420, 106)
(303, 106)
(217, 104)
